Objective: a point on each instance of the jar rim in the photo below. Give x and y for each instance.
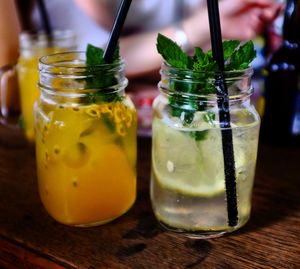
(64, 56)
(74, 62)
(246, 71)
(208, 97)
(72, 72)
(178, 81)
(42, 39)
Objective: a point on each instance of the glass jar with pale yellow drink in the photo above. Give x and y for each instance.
(85, 140)
(188, 185)
(32, 47)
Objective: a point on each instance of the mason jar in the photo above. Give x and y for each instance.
(32, 47)
(85, 140)
(188, 190)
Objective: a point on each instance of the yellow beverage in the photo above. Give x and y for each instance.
(86, 158)
(32, 48)
(85, 140)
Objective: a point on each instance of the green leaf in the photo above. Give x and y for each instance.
(173, 53)
(94, 55)
(109, 123)
(209, 117)
(203, 61)
(199, 55)
(199, 135)
(101, 80)
(229, 46)
(116, 56)
(241, 57)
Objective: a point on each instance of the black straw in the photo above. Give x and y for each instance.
(44, 17)
(224, 113)
(116, 30)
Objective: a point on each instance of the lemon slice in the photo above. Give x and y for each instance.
(189, 186)
(184, 165)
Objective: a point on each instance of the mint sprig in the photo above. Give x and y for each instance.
(99, 78)
(203, 61)
(173, 53)
(229, 47)
(94, 55)
(241, 57)
(237, 56)
(102, 79)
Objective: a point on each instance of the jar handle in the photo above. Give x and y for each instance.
(9, 96)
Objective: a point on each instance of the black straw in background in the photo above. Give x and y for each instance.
(224, 113)
(44, 17)
(116, 30)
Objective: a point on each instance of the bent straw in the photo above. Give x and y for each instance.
(224, 113)
(116, 30)
(44, 17)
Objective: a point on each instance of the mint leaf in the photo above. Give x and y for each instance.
(209, 117)
(116, 56)
(229, 46)
(94, 55)
(199, 135)
(241, 57)
(99, 78)
(200, 56)
(172, 53)
(203, 61)
(102, 79)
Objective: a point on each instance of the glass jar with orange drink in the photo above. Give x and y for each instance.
(33, 46)
(85, 140)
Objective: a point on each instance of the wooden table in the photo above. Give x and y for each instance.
(29, 238)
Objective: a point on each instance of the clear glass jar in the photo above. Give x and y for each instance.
(188, 181)
(85, 140)
(32, 47)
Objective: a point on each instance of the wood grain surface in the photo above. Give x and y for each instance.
(29, 238)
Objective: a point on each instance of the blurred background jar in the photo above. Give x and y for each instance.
(32, 47)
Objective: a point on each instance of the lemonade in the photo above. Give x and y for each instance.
(204, 140)
(188, 186)
(86, 167)
(32, 48)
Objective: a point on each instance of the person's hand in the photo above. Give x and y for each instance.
(245, 19)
